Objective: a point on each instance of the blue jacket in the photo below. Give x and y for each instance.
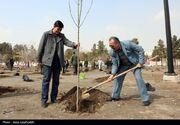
(134, 53)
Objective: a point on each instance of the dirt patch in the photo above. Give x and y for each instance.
(91, 105)
(67, 74)
(13, 91)
(101, 79)
(2, 72)
(5, 75)
(32, 73)
(6, 90)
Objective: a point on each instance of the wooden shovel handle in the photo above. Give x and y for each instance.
(125, 72)
(151, 59)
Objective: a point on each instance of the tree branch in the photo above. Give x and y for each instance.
(72, 14)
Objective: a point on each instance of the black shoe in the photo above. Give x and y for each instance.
(146, 103)
(112, 99)
(152, 89)
(44, 105)
(54, 101)
(149, 87)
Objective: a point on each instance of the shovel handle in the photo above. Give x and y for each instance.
(151, 59)
(125, 72)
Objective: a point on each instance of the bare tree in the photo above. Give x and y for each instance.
(79, 23)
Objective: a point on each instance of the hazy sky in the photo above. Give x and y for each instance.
(24, 21)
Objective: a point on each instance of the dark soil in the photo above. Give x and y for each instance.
(90, 105)
(101, 79)
(5, 75)
(6, 90)
(1, 72)
(12, 91)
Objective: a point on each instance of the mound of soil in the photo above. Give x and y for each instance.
(90, 105)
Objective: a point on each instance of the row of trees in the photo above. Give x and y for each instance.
(161, 50)
(20, 53)
(98, 51)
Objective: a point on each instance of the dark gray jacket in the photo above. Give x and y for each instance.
(48, 46)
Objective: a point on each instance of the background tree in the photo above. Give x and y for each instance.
(6, 52)
(176, 48)
(160, 50)
(17, 51)
(24, 54)
(1, 58)
(98, 51)
(32, 54)
(83, 56)
(68, 54)
(155, 53)
(5, 48)
(94, 51)
(102, 50)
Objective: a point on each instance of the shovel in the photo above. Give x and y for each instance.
(86, 95)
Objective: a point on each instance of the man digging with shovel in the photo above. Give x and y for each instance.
(125, 55)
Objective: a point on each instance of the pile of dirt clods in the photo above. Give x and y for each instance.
(90, 105)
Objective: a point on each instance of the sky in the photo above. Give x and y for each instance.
(24, 21)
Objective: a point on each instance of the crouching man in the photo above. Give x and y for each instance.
(125, 55)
